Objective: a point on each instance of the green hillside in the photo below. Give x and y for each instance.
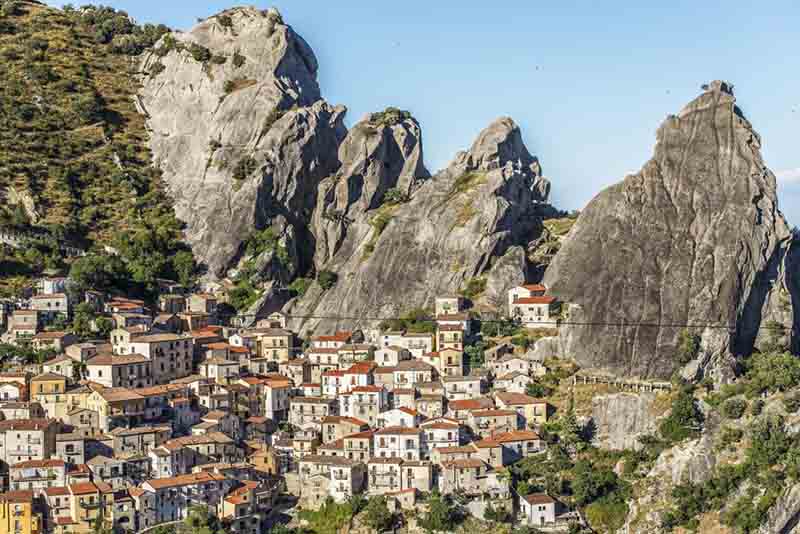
(73, 147)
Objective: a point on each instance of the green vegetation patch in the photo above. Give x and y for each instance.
(389, 117)
(73, 141)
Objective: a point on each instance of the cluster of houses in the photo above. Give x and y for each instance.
(176, 409)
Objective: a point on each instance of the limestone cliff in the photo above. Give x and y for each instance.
(461, 224)
(689, 239)
(238, 129)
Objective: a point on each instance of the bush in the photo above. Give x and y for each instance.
(792, 403)
(734, 408)
(730, 436)
(684, 419)
(378, 516)
(200, 53)
(756, 407)
(772, 371)
(238, 59)
(327, 279)
(300, 285)
(244, 168)
(475, 287)
(688, 346)
(218, 60)
(225, 21)
(395, 196)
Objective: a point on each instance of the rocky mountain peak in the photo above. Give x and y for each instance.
(693, 238)
(497, 145)
(238, 129)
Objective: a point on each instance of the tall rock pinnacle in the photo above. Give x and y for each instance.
(688, 240)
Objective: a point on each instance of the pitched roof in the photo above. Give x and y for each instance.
(17, 496)
(118, 394)
(413, 365)
(463, 463)
(367, 389)
(517, 399)
(26, 424)
(53, 462)
(117, 359)
(335, 419)
(471, 404)
(48, 376)
(539, 498)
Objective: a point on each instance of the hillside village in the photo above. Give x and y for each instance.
(175, 407)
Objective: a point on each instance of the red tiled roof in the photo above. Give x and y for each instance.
(53, 462)
(471, 404)
(518, 399)
(539, 498)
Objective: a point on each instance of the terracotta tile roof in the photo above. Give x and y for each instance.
(48, 376)
(330, 460)
(518, 399)
(333, 373)
(534, 287)
(384, 370)
(471, 404)
(413, 365)
(335, 445)
(117, 359)
(56, 491)
(516, 435)
(539, 498)
(119, 394)
(361, 368)
(366, 434)
(335, 419)
(384, 461)
(53, 462)
(409, 411)
(463, 463)
(343, 337)
(26, 424)
(17, 496)
(83, 488)
(50, 335)
(440, 425)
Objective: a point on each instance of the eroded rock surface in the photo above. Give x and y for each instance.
(240, 134)
(689, 239)
(455, 227)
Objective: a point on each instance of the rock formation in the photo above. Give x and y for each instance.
(461, 224)
(619, 419)
(238, 129)
(689, 239)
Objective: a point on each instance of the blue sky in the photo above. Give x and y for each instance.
(588, 82)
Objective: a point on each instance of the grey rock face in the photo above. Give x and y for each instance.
(784, 516)
(242, 142)
(621, 418)
(688, 239)
(455, 227)
(374, 159)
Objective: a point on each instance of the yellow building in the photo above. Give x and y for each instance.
(48, 383)
(89, 502)
(17, 514)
